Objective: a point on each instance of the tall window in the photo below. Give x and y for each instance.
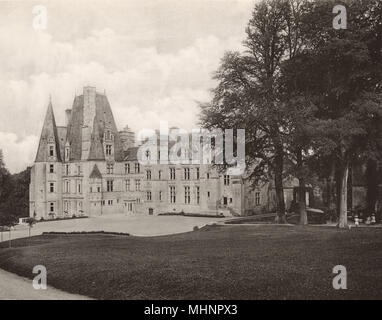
(109, 186)
(110, 168)
(127, 185)
(108, 149)
(186, 173)
(66, 206)
(67, 186)
(127, 168)
(79, 170)
(198, 195)
(51, 187)
(148, 195)
(137, 168)
(208, 194)
(51, 206)
(172, 173)
(160, 196)
(172, 194)
(208, 175)
(187, 195)
(148, 174)
(198, 173)
(137, 185)
(67, 169)
(226, 180)
(257, 198)
(51, 151)
(79, 186)
(51, 168)
(67, 151)
(160, 174)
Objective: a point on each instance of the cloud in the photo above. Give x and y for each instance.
(158, 71)
(18, 153)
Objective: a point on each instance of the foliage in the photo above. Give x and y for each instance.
(14, 192)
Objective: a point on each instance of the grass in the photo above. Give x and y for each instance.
(216, 262)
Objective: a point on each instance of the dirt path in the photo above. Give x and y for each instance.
(13, 287)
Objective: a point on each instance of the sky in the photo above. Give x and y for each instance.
(154, 59)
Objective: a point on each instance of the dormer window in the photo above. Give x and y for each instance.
(108, 149)
(108, 136)
(51, 151)
(67, 153)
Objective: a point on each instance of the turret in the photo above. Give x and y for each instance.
(49, 148)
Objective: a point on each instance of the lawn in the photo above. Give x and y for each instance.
(217, 262)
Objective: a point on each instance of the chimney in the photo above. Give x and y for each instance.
(68, 114)
(127, 138)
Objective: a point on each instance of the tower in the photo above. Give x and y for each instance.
(45, 186)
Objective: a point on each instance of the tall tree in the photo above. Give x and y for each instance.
(6, 186)
(338, 73)
(248, 93)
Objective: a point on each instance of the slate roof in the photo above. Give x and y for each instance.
(131, 154)
(49, 131)
(103, 120)
(62, 138)
(95, 174)
(74, 130)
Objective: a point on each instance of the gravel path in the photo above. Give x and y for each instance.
(13, 287)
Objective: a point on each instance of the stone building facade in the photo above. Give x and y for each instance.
(90, 168)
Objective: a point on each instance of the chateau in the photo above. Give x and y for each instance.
(90, 168)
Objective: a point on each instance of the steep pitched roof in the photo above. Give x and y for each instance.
(48, 133)
(95, 174)
(131, 154)
(103, 119)
(96, 146)
(62, 139)
(74, 131)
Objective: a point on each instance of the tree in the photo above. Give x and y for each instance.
(9, 222)
(248, 92)
(338, 73)
(2, 228)
(30, 221)
(6, 186)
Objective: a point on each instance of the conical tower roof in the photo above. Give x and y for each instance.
(48, 135)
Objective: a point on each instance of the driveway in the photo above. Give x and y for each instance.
(13, 287)
(137, 225)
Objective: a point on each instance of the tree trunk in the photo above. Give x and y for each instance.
(301, 190)
(280, 203)
(372, 186)
(338, 178)
(343, 188)
(331, 198)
